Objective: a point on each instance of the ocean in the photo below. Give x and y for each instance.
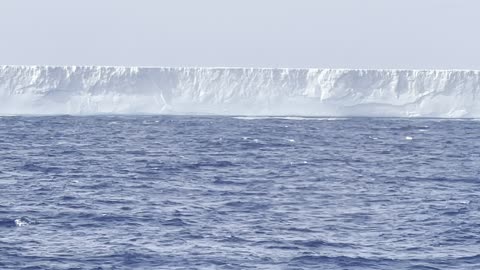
(213, 192)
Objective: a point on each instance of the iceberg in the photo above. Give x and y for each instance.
(85, 90)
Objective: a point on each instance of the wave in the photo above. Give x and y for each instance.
(239, 91)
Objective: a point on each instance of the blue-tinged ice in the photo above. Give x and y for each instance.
(239, 91)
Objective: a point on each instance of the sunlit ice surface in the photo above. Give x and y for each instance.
(94, 90)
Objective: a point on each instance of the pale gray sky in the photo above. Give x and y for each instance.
(267, 33)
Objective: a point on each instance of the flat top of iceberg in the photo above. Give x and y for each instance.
(238, 68)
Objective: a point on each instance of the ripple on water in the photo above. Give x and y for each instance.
(185, 192)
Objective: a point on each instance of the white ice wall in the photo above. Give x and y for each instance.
(239, 91)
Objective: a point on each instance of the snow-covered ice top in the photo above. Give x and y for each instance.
(239, 91)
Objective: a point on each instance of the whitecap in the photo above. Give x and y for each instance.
(24, 221)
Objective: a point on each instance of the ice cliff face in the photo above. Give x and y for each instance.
(239, 91)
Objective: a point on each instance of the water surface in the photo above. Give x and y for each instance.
(178, 192)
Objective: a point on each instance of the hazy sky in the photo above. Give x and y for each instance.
(267, 33)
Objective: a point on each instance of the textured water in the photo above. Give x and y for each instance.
(172, 192)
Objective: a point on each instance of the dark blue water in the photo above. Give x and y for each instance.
(171, 192)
